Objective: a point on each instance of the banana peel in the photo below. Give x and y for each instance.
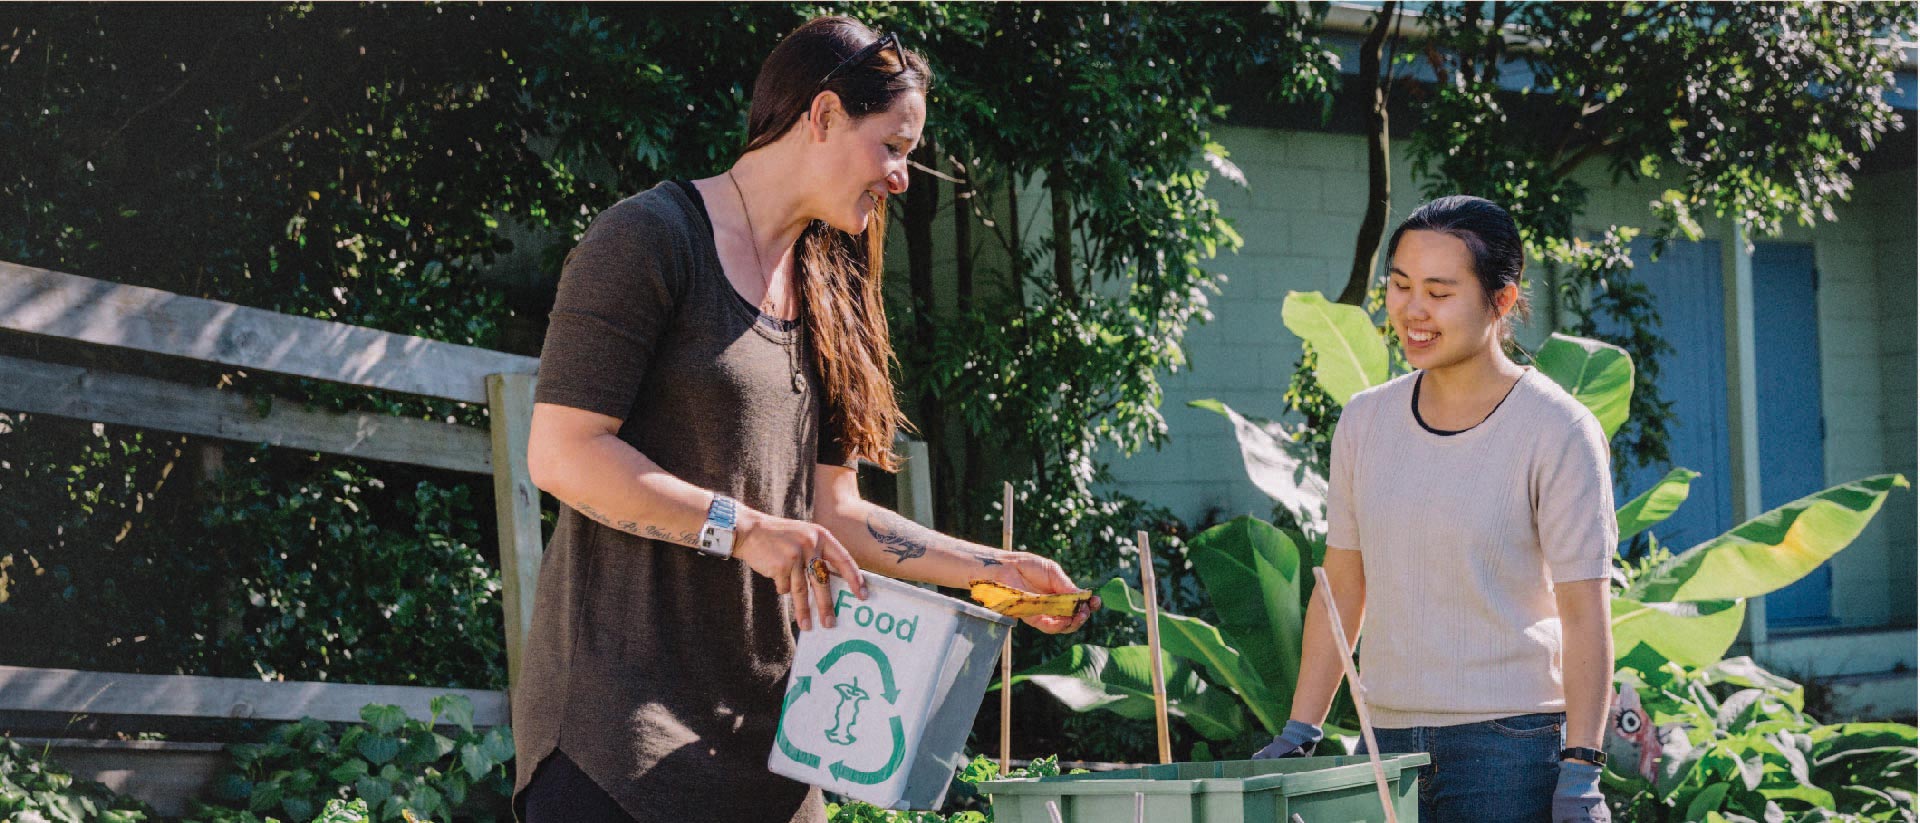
(1015, 603)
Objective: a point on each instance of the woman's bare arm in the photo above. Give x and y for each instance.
(1586, 658)
(1320, 668)
(889, 544)
(578, 457)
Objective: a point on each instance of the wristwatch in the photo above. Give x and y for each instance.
(716, 535)
(1594, 756)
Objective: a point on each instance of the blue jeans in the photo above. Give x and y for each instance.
(1496, 771)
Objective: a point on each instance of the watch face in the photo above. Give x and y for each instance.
(716, 540)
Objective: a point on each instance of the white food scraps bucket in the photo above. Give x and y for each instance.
(878, 707)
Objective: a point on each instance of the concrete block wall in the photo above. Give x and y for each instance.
(1298, 214)
(1895, 251)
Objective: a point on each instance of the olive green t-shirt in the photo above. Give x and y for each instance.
(656, 668)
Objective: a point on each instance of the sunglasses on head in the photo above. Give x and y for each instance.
(866, 54)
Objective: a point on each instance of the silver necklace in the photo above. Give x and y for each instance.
(753, 239)
(766, 280)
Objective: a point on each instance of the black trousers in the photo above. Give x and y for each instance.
(561, 793)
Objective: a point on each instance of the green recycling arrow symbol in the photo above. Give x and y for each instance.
(841, 771)
(888, 691)
(802, 685)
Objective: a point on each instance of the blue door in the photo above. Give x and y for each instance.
(1685, 286)
(1792, 432)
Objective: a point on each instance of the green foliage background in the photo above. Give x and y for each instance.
(423, 169)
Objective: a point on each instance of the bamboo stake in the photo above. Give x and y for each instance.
(1150, 589)
(1358, 691)
(1006, 647)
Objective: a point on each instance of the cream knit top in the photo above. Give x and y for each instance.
(1462, 537)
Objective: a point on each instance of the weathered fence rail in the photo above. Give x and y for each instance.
(59, 305)
(178, 695)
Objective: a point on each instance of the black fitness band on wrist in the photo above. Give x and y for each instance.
(1594, 756)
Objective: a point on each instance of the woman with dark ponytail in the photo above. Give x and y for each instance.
(1470, 521)
(717, 363)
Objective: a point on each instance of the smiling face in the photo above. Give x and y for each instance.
(1437, 305)
(864, 161)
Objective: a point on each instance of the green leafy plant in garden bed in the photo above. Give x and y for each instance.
(383, 770)
(336, 811)
(1738, 746)
(392, 762)
(35, 791)
(1736, 742)
(962, 797)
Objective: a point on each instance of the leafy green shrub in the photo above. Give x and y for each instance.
(35, 791)
(1737, 745)
(337, 811)
(393, 763)
(338, 578)
(285, 568)
(380, 205)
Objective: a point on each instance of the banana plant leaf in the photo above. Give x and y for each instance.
(1743, 671)
(1599, 375)
(1277, 465)
(1120, 680)
(1691, 634)
(1864, 754)
(1254, 574)
(1769, 551)
(1656, 504)
(1201, 643)
(1350, 353)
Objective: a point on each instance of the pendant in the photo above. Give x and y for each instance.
(799, 383)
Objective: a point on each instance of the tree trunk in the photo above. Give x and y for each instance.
(1017, 251)
(1366, 246)
(1062, 234)
(227, 621)
(923, 200)
(970, 469)
(963, 240)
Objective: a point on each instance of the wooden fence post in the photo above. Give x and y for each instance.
(913, 485)
(517, 507)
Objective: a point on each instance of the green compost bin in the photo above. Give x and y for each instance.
(1287, 790)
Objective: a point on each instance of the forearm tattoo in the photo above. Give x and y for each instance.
(649, 530)
(907, 540)
(894, 535)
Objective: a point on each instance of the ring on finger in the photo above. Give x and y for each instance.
(817, 568)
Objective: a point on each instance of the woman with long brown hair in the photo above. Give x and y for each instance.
(716, 364)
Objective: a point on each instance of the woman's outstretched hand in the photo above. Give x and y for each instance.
(1036, 574)
(784, 551)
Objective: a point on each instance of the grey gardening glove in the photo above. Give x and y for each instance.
(1577, 798)
(1296, 740)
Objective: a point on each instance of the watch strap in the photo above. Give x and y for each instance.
(1594, 756)
(716, 534)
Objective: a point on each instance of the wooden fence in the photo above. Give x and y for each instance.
(55, 304)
